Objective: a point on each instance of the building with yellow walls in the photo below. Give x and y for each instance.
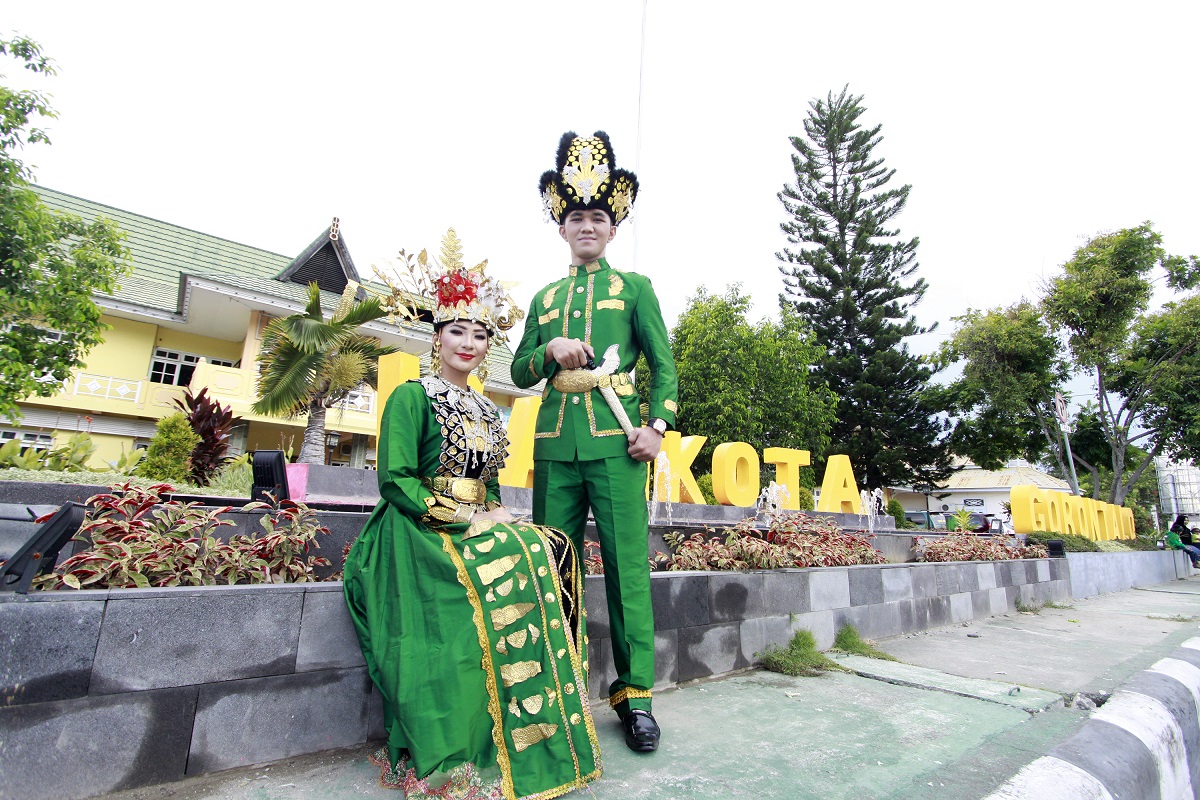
(192, 314)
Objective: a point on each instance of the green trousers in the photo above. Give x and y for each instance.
(614, 489)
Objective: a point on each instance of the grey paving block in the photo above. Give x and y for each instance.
(961, 608)
(1043, 570)
(939, 611)
(375, 726)
(786, 592)
(265, 719)
(981, 604)
(820, 623)
(327, 637)
(1059, 569)
(1003, 574)
(949, 579)
(735, 596)
(882, 620)
(924, 580)
(708, 650)
(46, 649)
(985, 575)
(914, 615)
(968, 577)
(195, 636)
(1016, 571)
(666, 658)
(759, 634)
(897, 584)
(680, 600)
(600, 666)
(828, 588)
(998, 601)
(866, 585)
(1116, 757)
(110, 743)
(595, 602)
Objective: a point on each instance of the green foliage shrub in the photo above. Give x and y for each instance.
(705, 484)
(897, 512)
(1142, 524)
(169, 457)
(1072, 542)
(806, 499)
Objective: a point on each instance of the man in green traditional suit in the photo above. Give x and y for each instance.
(583, 336)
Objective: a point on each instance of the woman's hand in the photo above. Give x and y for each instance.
(498, 514)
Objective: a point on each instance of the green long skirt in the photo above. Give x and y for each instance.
(475, 645)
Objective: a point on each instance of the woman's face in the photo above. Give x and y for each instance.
(464, 346)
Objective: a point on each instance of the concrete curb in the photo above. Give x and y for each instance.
(1143, 744)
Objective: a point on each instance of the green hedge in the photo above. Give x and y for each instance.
(1072, 542)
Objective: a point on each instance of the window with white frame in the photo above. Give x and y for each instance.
(175, 367)
(35, 439)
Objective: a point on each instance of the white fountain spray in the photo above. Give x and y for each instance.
(662, 479)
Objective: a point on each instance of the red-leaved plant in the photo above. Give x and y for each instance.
(786, 540)
(969, 547)
(137, 540)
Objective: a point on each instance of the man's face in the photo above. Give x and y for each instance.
(588, 233)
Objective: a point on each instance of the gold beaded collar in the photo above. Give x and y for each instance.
(590, 267)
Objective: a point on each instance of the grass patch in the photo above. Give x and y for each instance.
(1174, 618)
(800, 658)
(1028, 609)
(849, 641)
(1053, 604)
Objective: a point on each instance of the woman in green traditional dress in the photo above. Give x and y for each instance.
(471, 623)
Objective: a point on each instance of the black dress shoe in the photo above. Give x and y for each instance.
(641, 731)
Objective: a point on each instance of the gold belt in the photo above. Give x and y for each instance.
(464, 490)
(581, 380)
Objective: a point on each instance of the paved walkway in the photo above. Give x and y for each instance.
(967, 708)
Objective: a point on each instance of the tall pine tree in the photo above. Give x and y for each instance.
(851, 277)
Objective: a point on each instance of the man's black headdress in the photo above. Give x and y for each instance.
(587, 177)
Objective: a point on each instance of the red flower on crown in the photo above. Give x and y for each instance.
(456, 287)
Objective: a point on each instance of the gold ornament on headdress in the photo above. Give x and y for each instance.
(454, 293)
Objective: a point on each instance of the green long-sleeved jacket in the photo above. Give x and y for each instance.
(599, 306)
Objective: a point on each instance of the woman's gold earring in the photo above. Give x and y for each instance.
(435, 357)
(482, 372)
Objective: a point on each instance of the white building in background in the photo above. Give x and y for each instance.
(979, 490)
(1178, 487)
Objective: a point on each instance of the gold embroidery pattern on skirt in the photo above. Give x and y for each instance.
(468, 555)
(533, 704)
(512, 674)
(522, 580)
(534, 632)
(490, 573)
(518, 639)
(551, 696)
(503, 617)
(486, 547)
(502, 536)
(503, 589)
(502, 646)
(576, 719)
(555, 624)
(524, 738)
(513, 708)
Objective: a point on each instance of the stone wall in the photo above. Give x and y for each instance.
(1100, 573)
(194, 680)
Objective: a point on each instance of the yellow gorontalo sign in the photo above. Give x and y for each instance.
(1035, 509)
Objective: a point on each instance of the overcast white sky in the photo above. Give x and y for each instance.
(1023, 127)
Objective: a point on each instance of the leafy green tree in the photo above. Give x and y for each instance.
(51, 262)
(1013, 365)
(309, 364)
(1145, 366)
(851, 276)
(748, 383)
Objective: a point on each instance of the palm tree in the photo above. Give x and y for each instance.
(309, 364)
